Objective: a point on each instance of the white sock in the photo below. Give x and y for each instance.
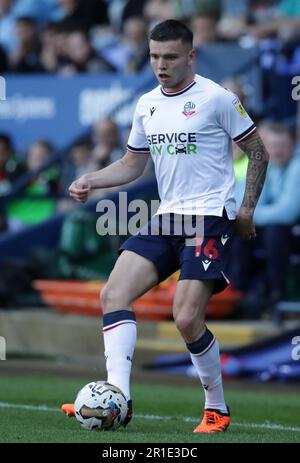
(205, 356)
(119, 334)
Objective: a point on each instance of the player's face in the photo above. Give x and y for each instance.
(172, 63)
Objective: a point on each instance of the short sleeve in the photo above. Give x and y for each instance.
(232, 116)
(137, 141)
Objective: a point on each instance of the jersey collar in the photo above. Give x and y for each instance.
(180, 92)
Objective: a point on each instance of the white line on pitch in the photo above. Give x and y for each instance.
(188, 419)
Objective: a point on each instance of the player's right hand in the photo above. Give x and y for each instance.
(245, 226)
(80, 189)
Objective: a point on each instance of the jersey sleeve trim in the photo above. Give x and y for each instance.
(245, 134)
(138, 150)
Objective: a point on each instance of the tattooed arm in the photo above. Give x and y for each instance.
(256, 173)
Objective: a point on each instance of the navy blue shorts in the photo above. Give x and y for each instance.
(198, 256)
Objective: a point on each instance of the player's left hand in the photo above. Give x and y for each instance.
(245, 227)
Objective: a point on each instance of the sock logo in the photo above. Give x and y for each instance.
(205, 386)
(128, 358)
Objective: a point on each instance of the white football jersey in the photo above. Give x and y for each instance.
(189, 135)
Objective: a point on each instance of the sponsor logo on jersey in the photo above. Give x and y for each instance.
(173, 143)
(240, 108)
(188, 109)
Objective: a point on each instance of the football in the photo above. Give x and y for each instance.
(100, 406)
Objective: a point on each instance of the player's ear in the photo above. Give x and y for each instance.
(192, 55)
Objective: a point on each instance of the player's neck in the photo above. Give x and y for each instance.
(181, 86)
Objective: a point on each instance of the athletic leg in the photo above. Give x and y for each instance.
(190, 304)
(131, 277)
(189, 308)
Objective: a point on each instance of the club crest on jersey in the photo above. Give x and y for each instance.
(188, 109)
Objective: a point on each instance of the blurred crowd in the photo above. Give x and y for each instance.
(74, 36)
(68, 37)
(44, 177)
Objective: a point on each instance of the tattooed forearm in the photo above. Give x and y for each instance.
(256, 172)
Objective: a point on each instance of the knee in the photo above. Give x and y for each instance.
(183, 323)
(113, 298)
(189, 325)
(108, 298)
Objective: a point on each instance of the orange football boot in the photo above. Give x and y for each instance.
(68, 409)
(213, 421)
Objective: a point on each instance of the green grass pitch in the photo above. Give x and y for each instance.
(163, 414)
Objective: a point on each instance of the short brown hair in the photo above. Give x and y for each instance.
(171, 29)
